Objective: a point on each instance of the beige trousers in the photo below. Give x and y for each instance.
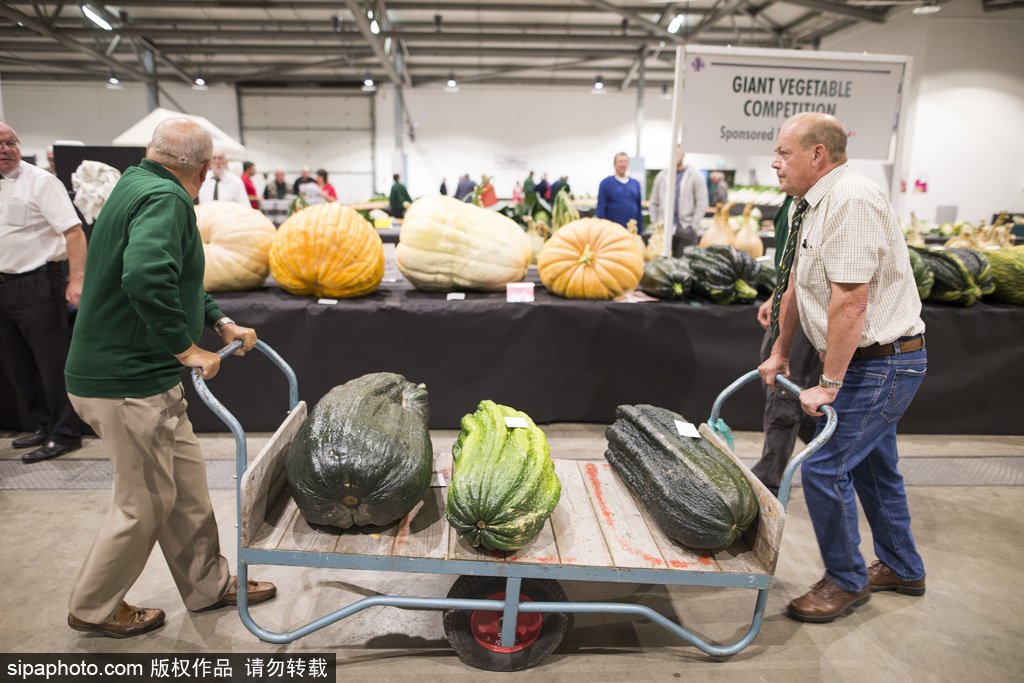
(160, 496)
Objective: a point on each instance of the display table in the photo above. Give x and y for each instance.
(561, 360)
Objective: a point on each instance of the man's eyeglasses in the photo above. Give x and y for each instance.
(9, 144)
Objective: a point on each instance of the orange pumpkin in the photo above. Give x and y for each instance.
(591, 258)
(236, 243)
(327, 250)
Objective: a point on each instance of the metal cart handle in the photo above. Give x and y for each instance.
(824, 435)
(225, 415)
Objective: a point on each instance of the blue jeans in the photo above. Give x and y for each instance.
(861, 457)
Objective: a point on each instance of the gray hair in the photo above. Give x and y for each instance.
(182, 144)
(824, 130)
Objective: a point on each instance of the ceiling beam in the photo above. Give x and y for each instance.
(44, 30)
(861, 13)
(634, 18)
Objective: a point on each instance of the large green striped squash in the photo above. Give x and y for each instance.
(695, 493)
(953, 283)
(503, 484)
(363, 456)
(724, 274)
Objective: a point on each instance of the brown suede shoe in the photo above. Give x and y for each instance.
(881, 578)
(128, 621)
(826, 601)
(258, 591)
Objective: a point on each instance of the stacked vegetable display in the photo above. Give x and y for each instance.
(960, 276)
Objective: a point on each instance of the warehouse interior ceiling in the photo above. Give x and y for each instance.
(417, 43)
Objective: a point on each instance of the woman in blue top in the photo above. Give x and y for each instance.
(619, 196)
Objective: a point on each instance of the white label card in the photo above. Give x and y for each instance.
(687, 429)
(456, 296)
(516, 423)
(327, 302)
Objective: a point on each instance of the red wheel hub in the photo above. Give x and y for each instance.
(486, 627)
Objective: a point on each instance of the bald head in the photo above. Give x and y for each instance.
(180, 144)
(10, 150)
(814, 128)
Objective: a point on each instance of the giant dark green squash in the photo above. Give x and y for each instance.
(923, 275)
(953, 283)
(977, 265)
(724, 274)
(695, 493)
(666, 277)
(503, 484)
(363, 456)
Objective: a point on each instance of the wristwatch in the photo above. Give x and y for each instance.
(228, 321)
(824, 381)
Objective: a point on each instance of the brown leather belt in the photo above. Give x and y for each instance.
(905, 346)
(50, 265)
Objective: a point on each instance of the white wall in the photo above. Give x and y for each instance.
(95, 115)
(965, 127)
(965, 124)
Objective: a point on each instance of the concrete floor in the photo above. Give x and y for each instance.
(967, 627)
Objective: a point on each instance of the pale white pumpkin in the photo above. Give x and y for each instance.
(236, 243)
(447, 245)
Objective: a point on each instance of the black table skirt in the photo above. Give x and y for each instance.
(561, 360)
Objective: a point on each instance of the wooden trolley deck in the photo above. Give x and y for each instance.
(597, 526)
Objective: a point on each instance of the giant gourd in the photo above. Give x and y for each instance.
(695, 493)
(724, 274)
(503, 484)
(448, 245)
(363, 456)
(327, 250)
(667, 278)
(591, 258)
(236, 244)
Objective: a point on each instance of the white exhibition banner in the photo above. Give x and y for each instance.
(734, 100)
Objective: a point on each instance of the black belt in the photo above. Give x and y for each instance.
(49, 265)
(905, 346)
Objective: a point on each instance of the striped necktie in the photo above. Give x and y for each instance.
(785, 267)
(216, 186)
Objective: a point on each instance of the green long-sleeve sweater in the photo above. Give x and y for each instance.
(143, 299)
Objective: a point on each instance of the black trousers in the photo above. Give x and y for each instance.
(34, 333)
(784, 419)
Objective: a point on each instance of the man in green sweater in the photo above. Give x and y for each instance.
(142, 311)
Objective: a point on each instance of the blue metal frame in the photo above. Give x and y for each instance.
(514, 572)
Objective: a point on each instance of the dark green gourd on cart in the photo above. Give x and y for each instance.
(363, 456)
(695, 493)
(503, 484)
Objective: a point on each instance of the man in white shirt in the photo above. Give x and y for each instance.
(851, 288)
(39, 229)
(691, 203)
(221, 184)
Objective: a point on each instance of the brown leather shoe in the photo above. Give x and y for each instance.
(881, 578)
(128, 621)
(826, 601)
(258, 591)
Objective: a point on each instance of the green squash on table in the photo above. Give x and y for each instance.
(1008, 272)
(953, 283)
(363, 456)
(695, 493)
(923, 275)
(666, 277)
(724, 274)
(503, 485)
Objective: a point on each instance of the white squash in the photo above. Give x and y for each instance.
(236, 243)
(446, 245)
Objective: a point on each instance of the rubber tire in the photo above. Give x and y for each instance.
(460, 635)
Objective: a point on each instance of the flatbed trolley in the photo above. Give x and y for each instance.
(597, 532)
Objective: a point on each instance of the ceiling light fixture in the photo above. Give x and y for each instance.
(451, 85)
(113, 83)
(95, 17)
(598, 86)
(927, 8)
(374, 26)
(336, 23)
(676, 23)
(199, 83)
(437, 22)
(368, 85)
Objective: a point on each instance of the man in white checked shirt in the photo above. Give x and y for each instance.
(852, 290)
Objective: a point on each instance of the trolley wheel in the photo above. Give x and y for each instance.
(476, 635)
